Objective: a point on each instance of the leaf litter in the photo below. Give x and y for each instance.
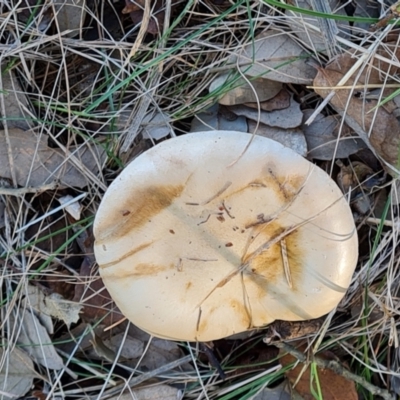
(375, 125)
(332, 385)
(323, 140)
(16, 373)
(287, 118)
(35, 340)
(292, 138)
(218, 117)
(35, 164)
(74, 79)
(245, 90)
(53, 305)
(279, 102)
(276, 57)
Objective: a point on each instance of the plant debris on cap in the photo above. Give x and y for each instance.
(198, 240)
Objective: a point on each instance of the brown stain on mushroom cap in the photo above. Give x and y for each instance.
(267, 268)
(141, 270)
(142, 206)
(126, 255)
(285, 187)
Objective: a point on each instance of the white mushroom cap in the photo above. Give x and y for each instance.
(195, 246)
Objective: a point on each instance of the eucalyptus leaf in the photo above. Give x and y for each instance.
(276, 56)
(16, 374)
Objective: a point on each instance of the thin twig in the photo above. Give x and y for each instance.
(21, 191)
(143, 29)
(338, 369)
(378, 221)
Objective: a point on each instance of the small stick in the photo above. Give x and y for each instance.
(338, 369)
(378, 221)
(114, 324)
(213, 360)
(25, 190)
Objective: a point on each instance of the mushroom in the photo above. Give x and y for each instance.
(198, 239)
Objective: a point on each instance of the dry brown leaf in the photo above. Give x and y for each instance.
(375, 70)
(35, 164)
(333, 386)
(378, 128)
(245, 92)
(218, 117)
(107, 349)
(322, 138)
(277, 57)
(279, 102)
(288, 118)
(292, 138)
(58, 307)
(130, 7)
(352, 176)
(351, 180)
(85, 332)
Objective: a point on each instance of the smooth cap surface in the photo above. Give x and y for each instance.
(195, 246)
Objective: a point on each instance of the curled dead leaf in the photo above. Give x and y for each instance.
(279, 102)
(333, 386)
(375, 70)
(379, 129)
(286, 119)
